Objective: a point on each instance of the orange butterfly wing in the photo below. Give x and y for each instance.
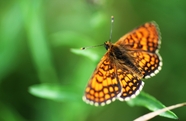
(143, 45)
(149, 63)
(103, 86)
(111, 81)
(146, 38)
(130, 83)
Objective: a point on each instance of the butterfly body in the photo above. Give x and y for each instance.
(118, 75)
(119, 55)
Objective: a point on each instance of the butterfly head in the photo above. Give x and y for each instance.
(108, 45)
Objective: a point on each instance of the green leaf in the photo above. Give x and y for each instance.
(151, 115)
(55, 92)
(144, 99)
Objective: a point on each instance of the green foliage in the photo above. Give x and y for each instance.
(43, 79)
(55, 92)
(145, 100)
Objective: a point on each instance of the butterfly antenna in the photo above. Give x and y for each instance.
(112, 21)
(83, 48)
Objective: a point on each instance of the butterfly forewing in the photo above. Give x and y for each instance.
(146, 38)
(103, 86)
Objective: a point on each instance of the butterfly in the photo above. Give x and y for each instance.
(118, 75)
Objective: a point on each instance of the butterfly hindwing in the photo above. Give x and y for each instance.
(131, 84)
(149, 63)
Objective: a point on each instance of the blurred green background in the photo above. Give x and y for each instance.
(36, 38)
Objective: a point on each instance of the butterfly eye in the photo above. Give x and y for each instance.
(107, 45)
